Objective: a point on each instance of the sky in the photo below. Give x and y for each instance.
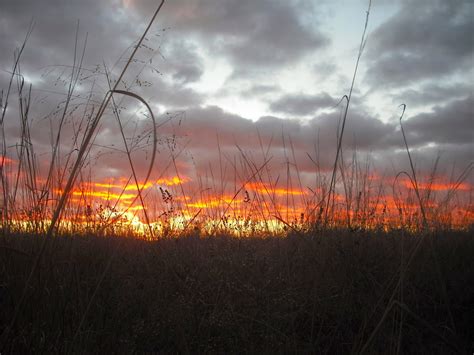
(260, 77)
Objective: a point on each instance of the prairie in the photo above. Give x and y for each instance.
(334, 292)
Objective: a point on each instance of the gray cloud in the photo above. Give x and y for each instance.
(203, 125)
(424, 40)
(301, 104)
(280, 138)
(182, 62)
(449, 124)
(248, 33)
(324, 69)
(432, 93)
(53, 37)
(260, 90)
(174, 96)
(413, 51)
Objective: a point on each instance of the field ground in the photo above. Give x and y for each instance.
(325, 293)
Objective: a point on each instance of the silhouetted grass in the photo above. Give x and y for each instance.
(312, 293)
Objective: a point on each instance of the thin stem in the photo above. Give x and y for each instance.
(339, 143)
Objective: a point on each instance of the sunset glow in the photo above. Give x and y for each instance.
(256, 207)
(436, 186)
(240, 119)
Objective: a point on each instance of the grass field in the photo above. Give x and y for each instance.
(321, 293)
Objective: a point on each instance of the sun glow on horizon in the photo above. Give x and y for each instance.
(172, 208)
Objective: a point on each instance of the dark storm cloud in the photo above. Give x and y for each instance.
(424, 40)
(301, 104)
(248, 33)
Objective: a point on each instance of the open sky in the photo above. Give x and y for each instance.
(249, 73)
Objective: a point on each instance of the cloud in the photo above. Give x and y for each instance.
(53, 36)
(280, 137)
(302, 104)
(432, 93)
(182, 62)
(260, 90)
(422, 41)
(247, 33)
(449, 124)
(174, 95)
(324, 69)
(416, 51)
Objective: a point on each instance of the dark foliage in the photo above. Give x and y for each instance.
(312, 294)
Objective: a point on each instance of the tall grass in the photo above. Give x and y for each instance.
(325, 294)
(82, 151)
